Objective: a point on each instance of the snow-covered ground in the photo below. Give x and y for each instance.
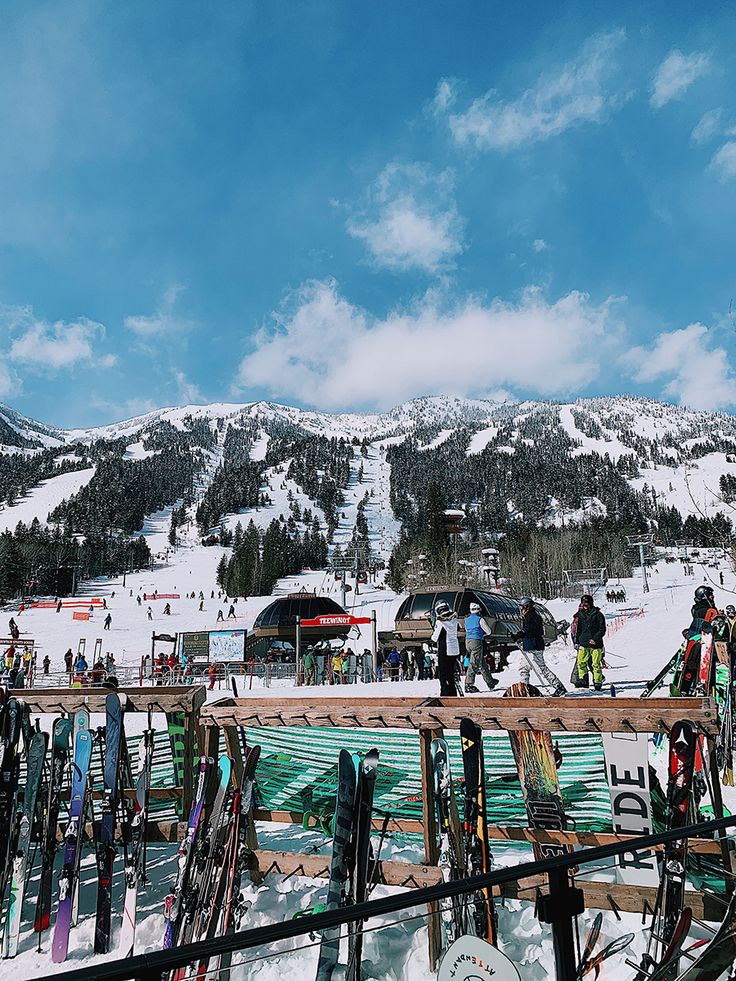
(636, 648)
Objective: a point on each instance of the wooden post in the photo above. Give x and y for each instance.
(431, 848)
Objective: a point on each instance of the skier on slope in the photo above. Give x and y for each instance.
(476, 628)
(591, 629)
(531, 636)
(448, 647)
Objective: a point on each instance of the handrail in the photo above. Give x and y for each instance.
(150, 966)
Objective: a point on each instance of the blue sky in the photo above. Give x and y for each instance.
(344, 205)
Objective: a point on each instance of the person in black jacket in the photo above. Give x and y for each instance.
(705, 601)
(531, 636)
(589, 637)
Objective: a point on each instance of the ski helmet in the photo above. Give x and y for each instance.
(704, 593)
(476, 608)
(586, 600)
(442, 609)
(526, 601)
(731, 610)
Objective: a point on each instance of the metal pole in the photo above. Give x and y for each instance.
(344, 576)
(374, 645)
(559, 908)
(643, 568)
(298, 649)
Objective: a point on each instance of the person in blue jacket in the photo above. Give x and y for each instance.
(476, 628)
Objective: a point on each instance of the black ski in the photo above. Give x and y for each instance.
(59, 761)
(114, 708)
(475, 826)
(340, 865)
(367, 771)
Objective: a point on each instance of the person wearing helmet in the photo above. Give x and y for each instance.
(448, 647)
(531, 636)
(476, 628)
(591, 629)
(704, 607)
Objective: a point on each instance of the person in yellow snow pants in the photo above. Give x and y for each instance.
(589, 638)
(591, 658)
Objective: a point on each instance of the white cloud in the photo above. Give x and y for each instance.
(329, 353)
(163, 321)
(698, 376)
(706, 127)
(724, 161)
(444, 96)
(411, 221)
(8, 386)
(675, 75)
(189, 393)
(55, 346)
(574, 94)
(539, 245)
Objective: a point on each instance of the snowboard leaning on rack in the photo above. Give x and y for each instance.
(537, 768)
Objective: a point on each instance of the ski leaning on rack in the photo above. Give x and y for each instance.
(25, 820)
(73, 836)
(720, 954)
(537, 769)
(59, 759)
(172, 905)
(475, 827)
(135, 861)
(9, 774)
(340, 864)
(363, 814)
(114, 708)
(451, 859)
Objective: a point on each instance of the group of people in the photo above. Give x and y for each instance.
(80, 672)
(616, 595)
(323, 666)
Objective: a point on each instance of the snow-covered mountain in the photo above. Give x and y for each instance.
(546, 462)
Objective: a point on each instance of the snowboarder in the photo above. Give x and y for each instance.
(476, 628)
(589, 636)
(167, 610)
(230, 612)
(108, 621)
(531, 636)
(58, 606)
(448, 647)
(220, 617)
(150, 613)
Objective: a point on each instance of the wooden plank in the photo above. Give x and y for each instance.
(580, 839)
(406, 874)
(186, 698)
(629, 899)
(161, 831)
(543, 714)
(590, 839)
(598, 895)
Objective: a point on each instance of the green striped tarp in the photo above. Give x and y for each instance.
(298, 771)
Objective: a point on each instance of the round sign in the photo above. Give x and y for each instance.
(472, 959)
